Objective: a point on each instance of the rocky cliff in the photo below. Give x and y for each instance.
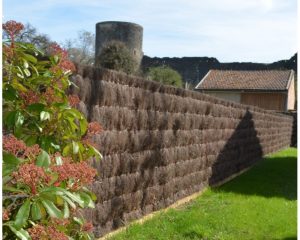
(193, 69)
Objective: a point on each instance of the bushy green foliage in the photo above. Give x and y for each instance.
(46, 144)
(165, 75)
(116, 56)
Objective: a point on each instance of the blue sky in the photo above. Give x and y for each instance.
(230, 30)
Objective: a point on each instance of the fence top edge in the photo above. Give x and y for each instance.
(102, 74)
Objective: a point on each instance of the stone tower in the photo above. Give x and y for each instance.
(131, 34)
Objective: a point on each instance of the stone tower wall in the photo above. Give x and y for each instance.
(130, 34)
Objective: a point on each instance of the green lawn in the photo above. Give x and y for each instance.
(259, 204)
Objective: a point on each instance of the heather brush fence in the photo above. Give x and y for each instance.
(161, 144)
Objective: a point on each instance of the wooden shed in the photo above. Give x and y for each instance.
(269, 89)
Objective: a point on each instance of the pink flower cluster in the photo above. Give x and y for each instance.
(73, 100)
(5, 214)
(81, 173)
(13, 145)
(31, 175)
(38, 232)
(32, 151)
(50, 96)
(18, 148)
(64, 63)
(30, 97)
(61, 222)
(86, 140)
(55, 49)
(12, 28)
(94, 128)
(87, 227)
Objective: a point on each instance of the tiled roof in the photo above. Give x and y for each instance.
(275, 80)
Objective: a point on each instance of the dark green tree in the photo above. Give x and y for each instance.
(165, 75)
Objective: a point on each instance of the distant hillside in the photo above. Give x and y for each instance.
(193, 69)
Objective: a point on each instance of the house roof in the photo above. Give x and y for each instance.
(267, 80)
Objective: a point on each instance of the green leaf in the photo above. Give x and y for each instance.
(11, 189)
(58, 160)
(67, 150)
(9, 93)
(22, 215)
(61, 106)
(45, 142)
(74, 85)
(51, 209)
(98, 155)
(88, 202)
(74, 113)
(20, 75)
(38, 127)
(66, 210)
(50, 196)
(55, 146)
(44, 116)
(29, 140)
(86, 190)
(5, 179)
(59, 201)
(17, 85)
(30, 58)
(66, 195)
(75, 147)
(42, 210)
(72, 124)
(85, 236)
(78, 220)
(54, 177)
(88, 237)
(20, 72)
(38, 107)
(11, 159)
(69, 201)
(47, 74)
(9, 118)
(75, 198)
(83, 126)
(7, 169)
(43, 160)
(35, 70)
(27, 72)
(19, 119)
(56, 58)
(53, 190)
(25, 64)
(21, 233)
(93, 196)
(36, 211)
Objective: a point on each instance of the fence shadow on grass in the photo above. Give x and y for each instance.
(273, 177)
